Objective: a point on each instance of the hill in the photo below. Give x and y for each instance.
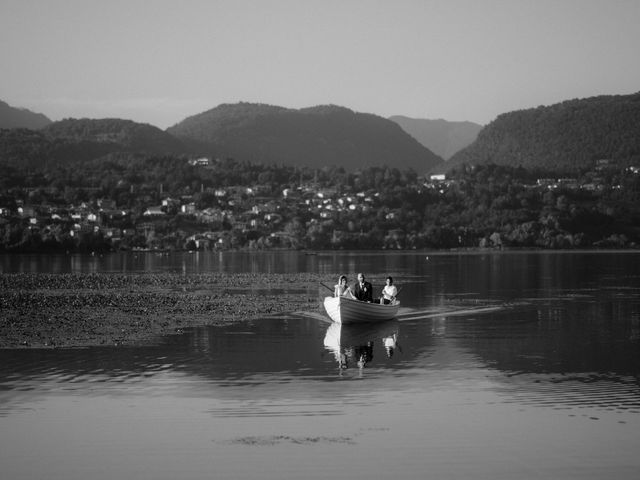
(83, 140)
(115, 134)
(567, 136)
(11, 117)
(442, 137)
(313, 137)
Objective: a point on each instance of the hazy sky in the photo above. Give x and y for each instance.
(158, 61)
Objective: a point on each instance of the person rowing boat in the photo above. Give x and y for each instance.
(389, 292)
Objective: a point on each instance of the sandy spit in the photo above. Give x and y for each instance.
(79, 310)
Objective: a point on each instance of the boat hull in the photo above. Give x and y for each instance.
(345, 310)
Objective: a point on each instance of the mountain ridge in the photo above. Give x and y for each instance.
(565, 136)
(13, 117)
(314, 137)
(443, 137)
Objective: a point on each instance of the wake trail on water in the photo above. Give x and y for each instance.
(431, 313)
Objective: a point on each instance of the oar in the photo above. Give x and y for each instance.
(398, 291)
(327, 287)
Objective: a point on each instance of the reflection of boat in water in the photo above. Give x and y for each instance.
(348, 310)
(353, 344)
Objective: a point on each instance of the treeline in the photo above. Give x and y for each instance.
(485, 206)
(561, 137)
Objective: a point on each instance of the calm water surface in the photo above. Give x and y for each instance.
(502, 366)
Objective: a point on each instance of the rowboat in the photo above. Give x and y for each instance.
(347, 310)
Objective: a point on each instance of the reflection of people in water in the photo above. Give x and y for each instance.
(354, 344)
(342, 361)
(363, 354)
(390, 344)
(358, 354)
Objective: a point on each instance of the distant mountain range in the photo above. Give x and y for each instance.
(566, 136)
(313, 137)
(12, 117)
(440, 136)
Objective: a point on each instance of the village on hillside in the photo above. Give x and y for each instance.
(317, 215)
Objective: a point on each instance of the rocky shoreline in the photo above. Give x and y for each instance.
(80, 310)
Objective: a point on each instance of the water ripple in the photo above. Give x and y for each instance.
(589, 390)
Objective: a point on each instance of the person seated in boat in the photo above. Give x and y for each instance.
(341, 289)
(389, 292)
(363, 290)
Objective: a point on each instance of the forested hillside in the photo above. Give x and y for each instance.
(313, 137)
(565, 136)
(71, 140)
(125, 135)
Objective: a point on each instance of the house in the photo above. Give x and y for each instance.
(290, 193)
(203, 244)
(25, 211)
(170, 202)
(549, 183)
(154, 212)
(115, 214)
(199, 162)
(273, 218)
(106, 204)
(188, 209)
(210, 215)
(255, 223)
(145, 229)
(592, 187)
(113, 233)
(603, 164)
(570, 183)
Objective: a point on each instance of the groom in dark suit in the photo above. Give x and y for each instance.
(363, 290)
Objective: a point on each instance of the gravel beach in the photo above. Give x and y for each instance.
(78, 310)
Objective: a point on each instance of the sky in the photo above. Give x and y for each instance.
(160, 61)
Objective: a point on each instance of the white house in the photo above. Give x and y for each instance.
(153, 211)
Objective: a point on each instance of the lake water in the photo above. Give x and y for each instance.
(500, 366)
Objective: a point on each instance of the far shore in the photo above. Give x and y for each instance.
(41, 310)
